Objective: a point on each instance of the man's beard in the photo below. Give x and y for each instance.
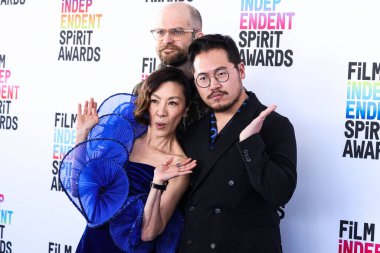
(225, 107)
(177, 59)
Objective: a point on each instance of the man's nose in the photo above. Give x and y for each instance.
(167, 38)
(214, 84)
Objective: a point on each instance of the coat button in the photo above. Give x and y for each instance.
(192, 209)
(246, 155)
(212, 245)
(189, 242)
(217, 210)
(231, 183)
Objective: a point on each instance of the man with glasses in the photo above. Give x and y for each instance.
(177, 25)
(246, 155)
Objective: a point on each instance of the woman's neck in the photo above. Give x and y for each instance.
(164, 144)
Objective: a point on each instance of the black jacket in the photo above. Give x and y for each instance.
(237, 187)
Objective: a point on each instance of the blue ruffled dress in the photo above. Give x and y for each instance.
(109, 190)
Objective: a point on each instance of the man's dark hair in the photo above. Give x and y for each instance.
(214, 41)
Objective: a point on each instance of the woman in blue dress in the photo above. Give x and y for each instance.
(128, 172)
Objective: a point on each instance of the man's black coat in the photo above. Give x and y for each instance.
(237, 187)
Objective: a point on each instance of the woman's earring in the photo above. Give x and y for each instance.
(184, 120)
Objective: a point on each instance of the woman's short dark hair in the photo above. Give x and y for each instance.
(152, 83)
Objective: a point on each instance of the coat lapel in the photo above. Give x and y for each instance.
(229, 136)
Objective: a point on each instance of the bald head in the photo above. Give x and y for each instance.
(182, 13)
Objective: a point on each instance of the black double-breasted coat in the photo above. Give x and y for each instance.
(237, 187)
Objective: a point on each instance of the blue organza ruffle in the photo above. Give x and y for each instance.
(92, 174)
(122, 104)
(93, 177)
(125, 229)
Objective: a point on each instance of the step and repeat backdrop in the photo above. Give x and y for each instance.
(319, 61)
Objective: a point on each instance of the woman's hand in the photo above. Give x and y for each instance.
(159, 207)
(168, 170)
(86, 119)
(255, 126)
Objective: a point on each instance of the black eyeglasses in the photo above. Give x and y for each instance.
(175, 33)
(220, 75)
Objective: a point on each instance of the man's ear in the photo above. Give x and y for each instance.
(199, 34)
(241, 68)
